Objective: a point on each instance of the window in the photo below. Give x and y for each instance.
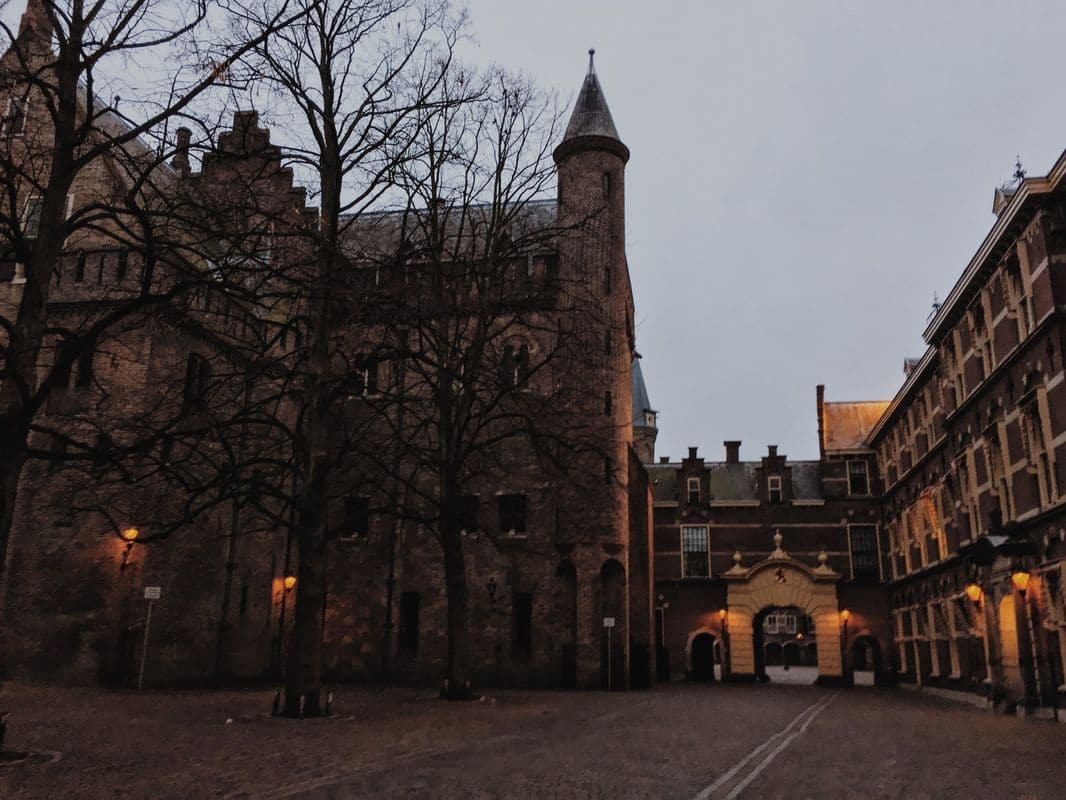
(694, 552)
(522, 625)
(409, 608)
(608, 404)
(512, 513)
(693, 485)
(14, 121)
(83, 377)
(356, 516)
(31, 216)
(773, 489)
(468, 508)
(79, 267)
(608, 185)
(771, 624)
(514, 367)
(197, 378)
(123, 266)
(365, 377)
(865, 562)
(858, 478)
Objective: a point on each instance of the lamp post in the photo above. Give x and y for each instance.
(845, 615)
(1020, 578)
(723, 621)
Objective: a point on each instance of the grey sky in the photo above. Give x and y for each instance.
(805, 175)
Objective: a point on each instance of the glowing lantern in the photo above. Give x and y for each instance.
(974, 592)
(1020, 579)
(290, 582)
(130, 534)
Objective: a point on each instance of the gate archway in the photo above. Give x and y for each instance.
(778, 582)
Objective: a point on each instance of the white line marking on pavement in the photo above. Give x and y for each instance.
(806, 716)
(740, 787)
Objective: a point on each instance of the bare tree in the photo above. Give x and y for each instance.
(86, 184)
(488, 339)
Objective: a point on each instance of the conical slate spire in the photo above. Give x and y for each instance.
(591, 115)
(641, 402)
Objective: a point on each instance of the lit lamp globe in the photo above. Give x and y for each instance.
(130, 535)
(1020, 579)
(845, 615)
(289, 582)
(974, 592)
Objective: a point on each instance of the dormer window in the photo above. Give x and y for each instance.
(693, 491)
(858, 478)
(773, 489)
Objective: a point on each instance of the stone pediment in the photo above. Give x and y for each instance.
(781, 563)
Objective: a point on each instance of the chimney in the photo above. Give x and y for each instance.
(772, 450)
(820, 394)
(180, 161)
(692, 453)
(732, 452)
(664, 459)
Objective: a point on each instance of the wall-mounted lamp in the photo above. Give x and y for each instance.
(289, 583)
(1020, 578)
(845, 615)
(129, 536)
(974, 592)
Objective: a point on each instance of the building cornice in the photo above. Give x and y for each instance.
(1029, 189)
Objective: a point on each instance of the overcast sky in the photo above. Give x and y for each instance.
(805, 176)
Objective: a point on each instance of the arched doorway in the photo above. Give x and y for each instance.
(781, 634)
(780, 582)
(865, 657)
(702, 654)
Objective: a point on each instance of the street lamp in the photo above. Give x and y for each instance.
(1020, 578)
(129, 536)
(974, 592)
(845, 615)
(289, 582)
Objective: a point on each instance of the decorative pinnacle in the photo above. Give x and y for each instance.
(592, 61)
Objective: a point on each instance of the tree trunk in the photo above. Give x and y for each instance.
(457, 680)
(13, 448)
(303, 676)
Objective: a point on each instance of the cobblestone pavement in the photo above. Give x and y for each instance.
(681, 741)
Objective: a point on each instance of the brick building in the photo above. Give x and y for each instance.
(547, 562)
(924, 543)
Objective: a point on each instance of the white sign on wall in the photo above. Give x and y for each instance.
(608, 622)
(153, 592)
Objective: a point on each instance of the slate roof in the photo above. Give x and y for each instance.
(736, 481)
(847, 425)
(591, 115)
(641, 403)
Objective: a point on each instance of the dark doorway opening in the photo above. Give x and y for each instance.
(703, 658)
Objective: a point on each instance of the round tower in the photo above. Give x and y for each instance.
(594, 520)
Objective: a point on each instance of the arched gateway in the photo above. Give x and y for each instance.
(780, 581)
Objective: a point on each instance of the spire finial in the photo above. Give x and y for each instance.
(592, 61)
(1019, 171)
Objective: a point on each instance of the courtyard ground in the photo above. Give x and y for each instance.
(678, 741)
